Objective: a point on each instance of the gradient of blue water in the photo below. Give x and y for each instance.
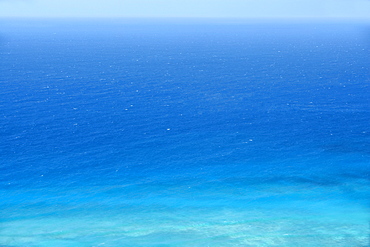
(184, 133)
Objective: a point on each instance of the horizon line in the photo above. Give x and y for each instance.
(346, 18)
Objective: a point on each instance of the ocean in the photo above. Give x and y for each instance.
(184, 132)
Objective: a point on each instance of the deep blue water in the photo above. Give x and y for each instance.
(184, 133)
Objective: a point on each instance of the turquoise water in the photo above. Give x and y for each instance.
(184, 133)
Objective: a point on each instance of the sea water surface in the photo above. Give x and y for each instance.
(184, 133)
